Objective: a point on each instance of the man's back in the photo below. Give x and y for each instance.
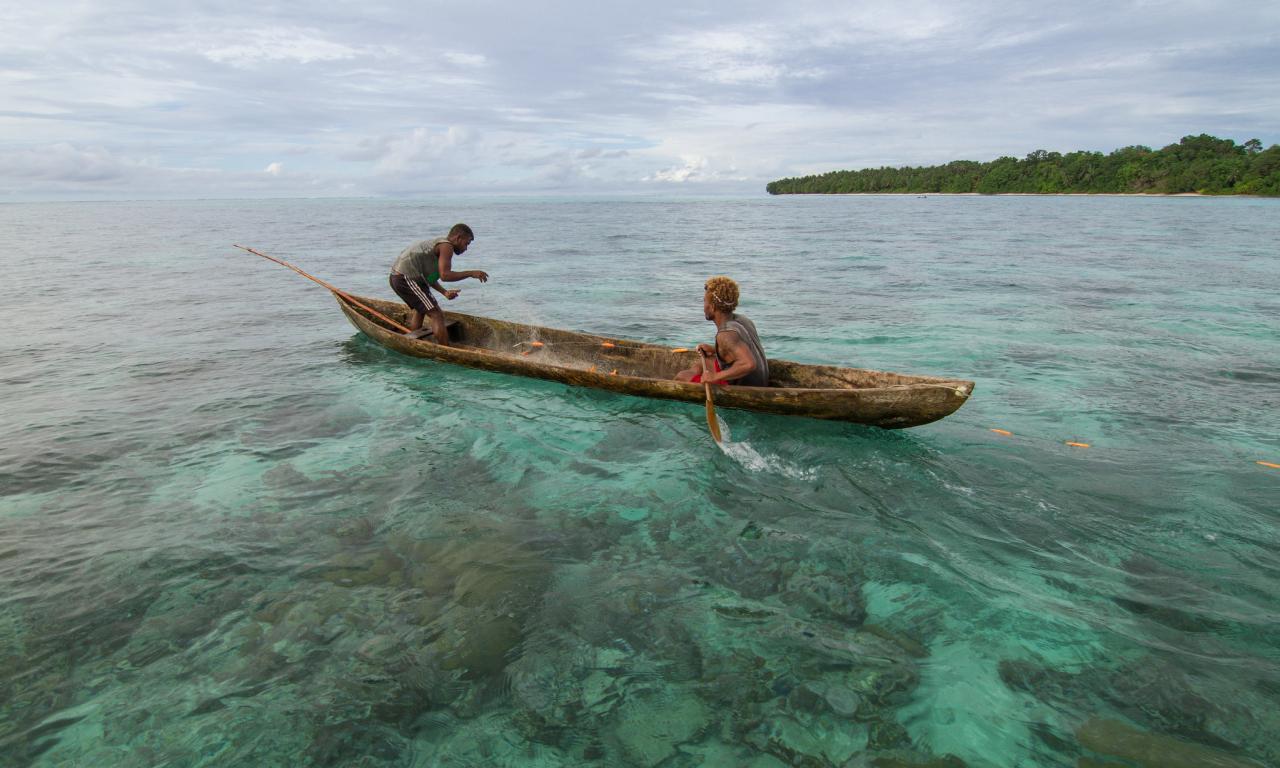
(742, 325)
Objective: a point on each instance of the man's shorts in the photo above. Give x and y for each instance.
(415, 292)
(715, 364)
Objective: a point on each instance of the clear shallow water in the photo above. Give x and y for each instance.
(234, 532)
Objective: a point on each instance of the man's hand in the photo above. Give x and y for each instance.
(706, 350)
(479, 275)
(451, 295)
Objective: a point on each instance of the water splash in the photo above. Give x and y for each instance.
(754, 461)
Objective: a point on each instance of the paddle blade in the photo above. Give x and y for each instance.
(712, 422)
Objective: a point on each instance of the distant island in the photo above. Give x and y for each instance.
(1198, 164)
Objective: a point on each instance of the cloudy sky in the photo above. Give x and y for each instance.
(195, 98)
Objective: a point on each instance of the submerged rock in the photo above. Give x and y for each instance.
(548, 689)
(713, 753)
(1152, 750)
(886, 734)
(484, 564)
(745, 612)
(677, 649)
(753, 576)
(379, 648)
(827, 595)
(1038, 680)
(431, 579)
(841, 699)
(802, 740)
(408, 687)
(361, 569)
(829, 695)
(1169, 596)
(1048, 735)
(487, 584)
(358, 530)
(882, 687)
(913, 648)
(353, 743)
(650, 728)
(917, 761)
(270, 607)
(1162, 697)
(1159, 696)
(1170, 616)
(480, 648)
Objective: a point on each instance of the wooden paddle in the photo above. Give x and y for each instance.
(712, 424)
(345, 296)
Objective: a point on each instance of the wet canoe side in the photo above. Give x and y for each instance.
(861, 396)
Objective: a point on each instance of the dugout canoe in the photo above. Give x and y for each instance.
(858, 395)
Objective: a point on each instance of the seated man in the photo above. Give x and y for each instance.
(738, 357)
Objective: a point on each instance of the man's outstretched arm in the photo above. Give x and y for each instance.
(446, 267)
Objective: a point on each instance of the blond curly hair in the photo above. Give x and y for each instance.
(724, 292)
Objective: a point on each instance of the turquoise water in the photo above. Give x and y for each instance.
(235, 532)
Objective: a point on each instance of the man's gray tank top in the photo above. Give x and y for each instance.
(746, 329)
(420, 260)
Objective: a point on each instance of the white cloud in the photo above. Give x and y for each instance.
(82, 172)
(747, 56)
(883, 23)
(63, 162)
(691, 167)
(465, 59)
(697, 169)
(419, 150)
(275, 169)
(247, 48)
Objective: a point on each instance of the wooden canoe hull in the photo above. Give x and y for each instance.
(861, 396)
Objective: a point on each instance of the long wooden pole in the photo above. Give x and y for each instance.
(345, 296)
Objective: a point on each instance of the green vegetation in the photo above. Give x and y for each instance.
(1203, 164)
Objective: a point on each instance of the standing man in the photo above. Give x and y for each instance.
(421, 267)
(738, 356)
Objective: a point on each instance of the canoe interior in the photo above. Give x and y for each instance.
(605, 354)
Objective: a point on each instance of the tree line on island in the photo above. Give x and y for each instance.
(1203, 164)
